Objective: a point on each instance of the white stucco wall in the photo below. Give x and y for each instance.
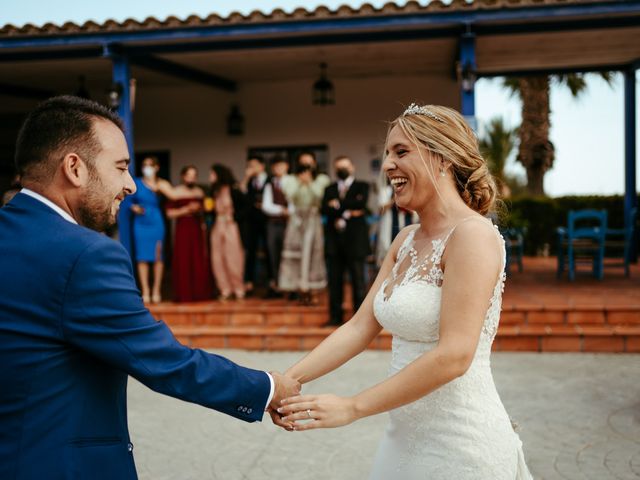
(190, 120)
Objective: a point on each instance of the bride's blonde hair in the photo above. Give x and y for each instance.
(448, 137)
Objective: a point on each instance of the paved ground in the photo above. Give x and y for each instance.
(579, 416)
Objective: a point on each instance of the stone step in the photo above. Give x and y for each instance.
(533, 338)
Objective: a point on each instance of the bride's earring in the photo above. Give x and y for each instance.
(442, 172)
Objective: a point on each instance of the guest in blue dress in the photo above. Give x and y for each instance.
(149, 229)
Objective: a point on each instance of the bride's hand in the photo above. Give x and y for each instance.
(276, 418)
(307, 412)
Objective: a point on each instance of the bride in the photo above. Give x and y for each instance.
(439, 292)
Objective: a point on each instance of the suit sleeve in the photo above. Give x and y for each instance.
(325, 209)
(360, 200)
(104, 316)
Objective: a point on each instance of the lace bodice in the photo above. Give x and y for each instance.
(460, 430)
(408, 302)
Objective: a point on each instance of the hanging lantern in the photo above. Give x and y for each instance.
(323, 91)
(235, 121)
(114, 95)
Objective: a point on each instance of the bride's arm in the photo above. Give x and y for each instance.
(473, 264)
(352, 337)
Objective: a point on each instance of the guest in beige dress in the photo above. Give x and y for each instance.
(302, 268)
(227, 253)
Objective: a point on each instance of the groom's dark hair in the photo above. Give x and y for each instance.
(58, 126)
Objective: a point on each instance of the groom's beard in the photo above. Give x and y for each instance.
(97, 210)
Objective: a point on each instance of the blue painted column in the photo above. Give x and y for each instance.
(467, 76)
(630, 144)
(122, 79)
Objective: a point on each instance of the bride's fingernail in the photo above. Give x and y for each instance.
(280, 410)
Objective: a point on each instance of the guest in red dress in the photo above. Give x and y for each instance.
(190, 268)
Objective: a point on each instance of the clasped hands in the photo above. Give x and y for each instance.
(295, 412)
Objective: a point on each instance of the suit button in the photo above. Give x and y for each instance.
(249, 411)
(239, 409)
(130, 447)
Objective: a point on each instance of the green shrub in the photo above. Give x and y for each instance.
(540, 216)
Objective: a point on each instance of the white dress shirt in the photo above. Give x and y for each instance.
(49, 204)
(268, 205)
(69, 218)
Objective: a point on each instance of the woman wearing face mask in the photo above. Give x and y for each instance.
(190, 266)
(148, 227)
(302, 268)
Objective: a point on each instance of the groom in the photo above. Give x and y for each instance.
(72, 323)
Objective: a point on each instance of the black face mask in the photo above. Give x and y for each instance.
(343, 173)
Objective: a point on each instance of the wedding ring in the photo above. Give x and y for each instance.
(309, 413)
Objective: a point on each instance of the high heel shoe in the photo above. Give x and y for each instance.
(146, 298)
(156, 298)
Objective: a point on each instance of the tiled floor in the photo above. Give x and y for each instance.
(538, 287)
(577, 416)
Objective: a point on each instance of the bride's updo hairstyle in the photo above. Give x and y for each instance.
(446, 135)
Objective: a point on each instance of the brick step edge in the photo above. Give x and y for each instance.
(574, 338)
(297, 316)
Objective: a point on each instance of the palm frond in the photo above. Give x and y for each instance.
(512, 84)
(496, 145)
(575, 82)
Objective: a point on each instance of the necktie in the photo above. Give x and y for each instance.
(342, 189)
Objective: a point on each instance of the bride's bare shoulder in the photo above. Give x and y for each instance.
(473, 240)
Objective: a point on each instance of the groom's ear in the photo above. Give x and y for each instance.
(74, 170)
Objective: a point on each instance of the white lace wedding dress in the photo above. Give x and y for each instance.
(461, 430)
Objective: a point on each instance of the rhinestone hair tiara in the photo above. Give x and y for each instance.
(415, 109)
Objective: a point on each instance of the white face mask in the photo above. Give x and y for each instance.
(149, 171)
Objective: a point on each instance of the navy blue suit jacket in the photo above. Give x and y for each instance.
(72, 328)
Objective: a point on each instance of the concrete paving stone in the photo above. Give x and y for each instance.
(578, 416)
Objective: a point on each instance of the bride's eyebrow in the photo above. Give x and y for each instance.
(400, 145)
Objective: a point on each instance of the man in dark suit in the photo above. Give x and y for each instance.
(346, 235)
(254, 182)
(72, 322)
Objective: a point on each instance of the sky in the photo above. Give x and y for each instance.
(588, 132)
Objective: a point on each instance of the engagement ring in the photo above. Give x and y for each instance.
(309, 412)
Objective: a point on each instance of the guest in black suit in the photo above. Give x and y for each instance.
(255, 239)
(346, 235)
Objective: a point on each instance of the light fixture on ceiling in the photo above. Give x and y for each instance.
(235, 121)
(467, 77)
(323, 91)
(114, 95)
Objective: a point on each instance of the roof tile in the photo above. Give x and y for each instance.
(278, 14)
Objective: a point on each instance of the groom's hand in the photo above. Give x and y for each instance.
(284, 387)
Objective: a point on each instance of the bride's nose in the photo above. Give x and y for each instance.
(388, 164)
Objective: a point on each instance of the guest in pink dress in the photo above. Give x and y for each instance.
(227, 253)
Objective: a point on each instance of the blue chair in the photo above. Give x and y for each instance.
(620, 239)
(582, 239)
(514, 246)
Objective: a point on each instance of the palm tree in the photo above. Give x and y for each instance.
(536, 152)
(496, 146)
